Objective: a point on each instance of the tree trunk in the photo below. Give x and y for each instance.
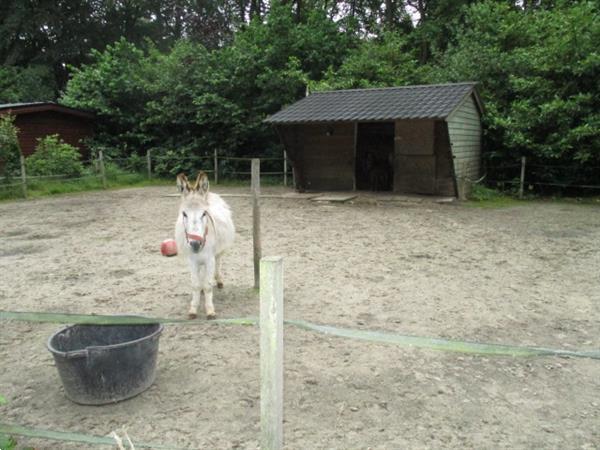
(389, 14)
(254, 9)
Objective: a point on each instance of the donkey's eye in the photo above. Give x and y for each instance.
(184, 215)
(204, 214)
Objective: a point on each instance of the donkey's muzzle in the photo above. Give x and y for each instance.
(195, 246)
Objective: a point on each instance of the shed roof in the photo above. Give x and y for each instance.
(32, 107)
(435, 101)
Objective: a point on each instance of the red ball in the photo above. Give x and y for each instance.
(168, 247)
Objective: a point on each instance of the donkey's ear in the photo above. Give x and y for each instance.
(201, 185)
(182, 184)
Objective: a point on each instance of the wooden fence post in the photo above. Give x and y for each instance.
(216, 167)
(285, 168)
(23, 176)
(255, 186)
(522, 181)
(102, 171)
(271, 353)
(149, 161)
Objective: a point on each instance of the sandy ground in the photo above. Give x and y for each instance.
(525, 275)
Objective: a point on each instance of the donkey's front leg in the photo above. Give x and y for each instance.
(195, 270)
(208, 289)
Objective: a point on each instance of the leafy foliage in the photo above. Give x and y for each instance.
(185, 78)
(26, 84)
(54, 157)
(116, 87)
(539, 78)
(10, 151)
(381, 62)
(192, 101)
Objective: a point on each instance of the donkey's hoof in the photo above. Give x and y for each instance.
(212, 316)
(220, 284)
(192, 316)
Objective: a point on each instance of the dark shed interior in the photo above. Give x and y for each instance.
(374, 163)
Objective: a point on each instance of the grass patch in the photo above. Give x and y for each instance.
(44, 187)
(484, 197)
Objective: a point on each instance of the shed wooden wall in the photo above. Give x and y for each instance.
(414, 157)
(321, 161)
(36, 125)
(422, 158)
(323, 156)
(464, 127)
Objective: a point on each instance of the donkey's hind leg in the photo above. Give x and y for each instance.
(218, 277)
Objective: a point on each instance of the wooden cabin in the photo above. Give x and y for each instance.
(411, 139)
(38, 120)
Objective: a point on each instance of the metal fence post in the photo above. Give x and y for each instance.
(149, 161)
(522, 181)
(271, 353)
(255, 187)
(23, 176)
(102, 171)
(216, 166)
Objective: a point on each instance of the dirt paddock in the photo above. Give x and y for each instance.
(525, 275)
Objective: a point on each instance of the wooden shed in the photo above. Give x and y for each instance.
(411, 139)
(38, 120)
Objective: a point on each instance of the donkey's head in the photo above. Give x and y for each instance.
(193, 212)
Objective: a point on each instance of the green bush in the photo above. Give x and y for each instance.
(10, 151)
(54, 157)
(136, 163)
(481, 193)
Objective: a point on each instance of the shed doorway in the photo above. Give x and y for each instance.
(375, 156)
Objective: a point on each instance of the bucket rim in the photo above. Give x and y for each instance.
(84, 351)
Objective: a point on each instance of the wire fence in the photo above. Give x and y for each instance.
(104, 167)
(523, 177)
(220, 166)
(543, 178)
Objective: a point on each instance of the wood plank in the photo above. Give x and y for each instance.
(414, 137)
(255, 187)
(271, 353)
(414, 174)
(334, 198)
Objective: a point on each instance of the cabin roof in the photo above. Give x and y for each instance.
(434, 101)
(33, 107)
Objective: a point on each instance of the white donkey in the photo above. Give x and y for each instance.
(204, 230)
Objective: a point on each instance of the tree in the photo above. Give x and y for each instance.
(387, 61)
(26, 84)
(539, 79)
(10, 151)
(116, 86)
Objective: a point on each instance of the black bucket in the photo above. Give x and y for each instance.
(101, 364)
